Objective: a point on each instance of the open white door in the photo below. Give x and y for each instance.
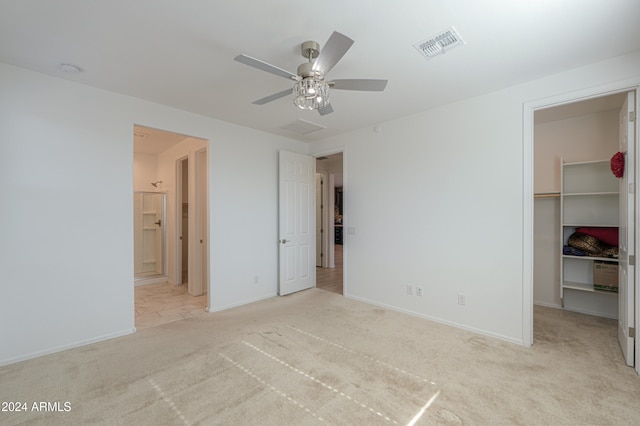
(626, 278)
(297, 222)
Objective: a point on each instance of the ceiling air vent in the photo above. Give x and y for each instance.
(439, 43)
(302, 127)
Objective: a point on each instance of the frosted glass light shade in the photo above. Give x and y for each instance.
(310, 94)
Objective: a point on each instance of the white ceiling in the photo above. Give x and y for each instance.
(180, 53)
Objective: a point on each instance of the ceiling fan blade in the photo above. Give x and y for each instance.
(326, 110)
(264, 66)
(273, 97)
(359, 84)
(333, 50)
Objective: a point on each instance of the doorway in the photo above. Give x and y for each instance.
(175, 165)
(577, 138)
(330, 223)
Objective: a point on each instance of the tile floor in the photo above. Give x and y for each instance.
(158, 304)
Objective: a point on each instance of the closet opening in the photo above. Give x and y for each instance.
(583, 224)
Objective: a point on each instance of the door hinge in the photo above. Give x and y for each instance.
(632, 259)
(632, 116)
(632, 332)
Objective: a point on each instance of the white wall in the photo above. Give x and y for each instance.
(436, 200)
(145, 171)
(66, 252)
(584, 138)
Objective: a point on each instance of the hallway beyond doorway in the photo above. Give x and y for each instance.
(331, 279)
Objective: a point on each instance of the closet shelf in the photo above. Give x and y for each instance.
(585, 287)
(592, 223)
(604, 259)
(578, 286)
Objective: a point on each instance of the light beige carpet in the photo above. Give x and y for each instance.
(318, 358)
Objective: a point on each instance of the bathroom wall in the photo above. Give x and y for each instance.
(145, 171)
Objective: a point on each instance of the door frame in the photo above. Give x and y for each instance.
(324, 218)
(179, 230)
(529, 109)
(345, 214)
(199, 246)
(198, 219)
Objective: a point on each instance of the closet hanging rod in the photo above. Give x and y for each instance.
(546, 195)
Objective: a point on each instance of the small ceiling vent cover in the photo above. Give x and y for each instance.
(439, 43)
(302, 127)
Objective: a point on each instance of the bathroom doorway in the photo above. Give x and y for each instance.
(170, 165)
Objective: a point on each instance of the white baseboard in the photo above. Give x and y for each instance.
(242, 302)
(440, 321)
(65, 347)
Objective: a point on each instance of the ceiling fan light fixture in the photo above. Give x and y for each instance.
(310, 90)
(311, 93)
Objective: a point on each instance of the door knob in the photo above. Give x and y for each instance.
(284, 241)
(159, 222)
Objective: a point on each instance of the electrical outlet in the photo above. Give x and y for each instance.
(418, 291)
(410, 290)
(462, 300)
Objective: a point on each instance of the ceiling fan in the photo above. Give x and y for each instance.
(310, 90)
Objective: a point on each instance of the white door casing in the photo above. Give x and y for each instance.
(199, 266)
(297, 257)
(182, 194)
(319, 212)
(626, 294)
